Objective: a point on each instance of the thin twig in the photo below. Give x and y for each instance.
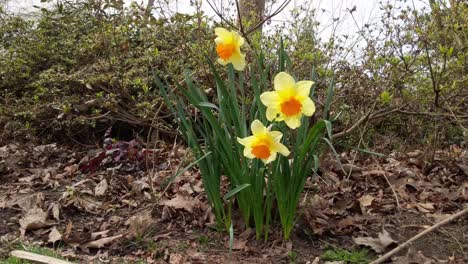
(425, 232)
(218, 13)
(356, 125)
(277, 11)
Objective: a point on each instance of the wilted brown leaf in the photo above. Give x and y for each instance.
(101, 188)
(463, 168)
(100, 234)
(33, 219)
(180, 202)
(378, 244)
(54, 235)
(238, 245)
(366, 200)
(27, 201)
(414, 154)
(350, 168)
(177, 258)
(138, 187)
(139, 224)
(88, 204)
(100, 243)
(55, 208)
(422, 207)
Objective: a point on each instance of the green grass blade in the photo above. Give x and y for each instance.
(235, 191)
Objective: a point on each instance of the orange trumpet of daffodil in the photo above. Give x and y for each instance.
(228, 44)
(289, 101)
(263, 144)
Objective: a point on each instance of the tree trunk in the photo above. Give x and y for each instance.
(149, 7)
(252, 12)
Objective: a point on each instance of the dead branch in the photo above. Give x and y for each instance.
(37, 258)
(218, 13)
(356, 125)
(425, 232)
(380, 114)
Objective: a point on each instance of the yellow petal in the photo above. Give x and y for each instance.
(240, 40)
(293, 122)
(276, 135)
(303, 88)
(222, 62)
(258, 128)
(219, 40)
(272, 113)
(281, 149)
(223, 33)
(270, 98)
(248, 153)
(271, 158)
(308, 107)
(238, 61)
(283, 81)
(247, 141)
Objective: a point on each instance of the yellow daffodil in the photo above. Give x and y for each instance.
(263, 144)
(289, 100)
(228, 44)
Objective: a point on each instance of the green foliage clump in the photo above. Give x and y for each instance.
(351, 257)
(79, 65)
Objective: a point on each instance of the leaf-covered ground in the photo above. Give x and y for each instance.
(121, 203)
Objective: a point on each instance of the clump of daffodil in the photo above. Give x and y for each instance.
(289, 101)
(263, 144)
(228, 44)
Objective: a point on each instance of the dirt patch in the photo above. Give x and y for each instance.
(7, 215)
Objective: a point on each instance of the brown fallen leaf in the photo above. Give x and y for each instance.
(349, 168)
(139, 186)
(238, 245)
(88, 204)
(129, 202)
(100, 243)
(101, 188)
(180, 202)
(378, 244)
(414, 154)
(418, 162)
(55, 208)
(33, 219)
(27, 201)
(463, 168)
(422, 207)
(139, 224)
(177, 258)
(375, 172)
(366, 200)
(100, 234)
(3, 201)
(54, 235)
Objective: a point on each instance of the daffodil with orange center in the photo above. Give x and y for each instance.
(289, 101)
(228, 44)
(263, 144)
